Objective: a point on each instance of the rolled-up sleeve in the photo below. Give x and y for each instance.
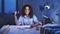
(35, 19)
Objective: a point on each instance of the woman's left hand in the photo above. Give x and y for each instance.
(32, 25)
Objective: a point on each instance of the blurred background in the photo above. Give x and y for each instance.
(49, 8)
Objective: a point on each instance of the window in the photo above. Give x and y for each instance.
(9, 6)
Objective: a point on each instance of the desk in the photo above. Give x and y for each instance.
(13, 29)
(50, 28)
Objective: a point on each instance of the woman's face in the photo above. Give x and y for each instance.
(27, 10)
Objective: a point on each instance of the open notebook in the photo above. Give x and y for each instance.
(20, 27)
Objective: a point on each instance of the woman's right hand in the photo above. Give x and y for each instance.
(16, 12)
(15, 16)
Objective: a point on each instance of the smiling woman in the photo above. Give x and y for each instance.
(27, 17)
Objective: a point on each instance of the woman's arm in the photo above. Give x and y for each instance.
(35, 20)
(16, 20)
(37, 23)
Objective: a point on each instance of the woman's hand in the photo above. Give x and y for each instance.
(16, 12)
(35, 25)
(32, 25)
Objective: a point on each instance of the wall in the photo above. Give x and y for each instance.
(10, 7)
(0, 6)
(51, 13)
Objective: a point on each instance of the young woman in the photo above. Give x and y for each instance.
(27, 17)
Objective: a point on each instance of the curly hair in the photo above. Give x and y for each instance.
(23, 11)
